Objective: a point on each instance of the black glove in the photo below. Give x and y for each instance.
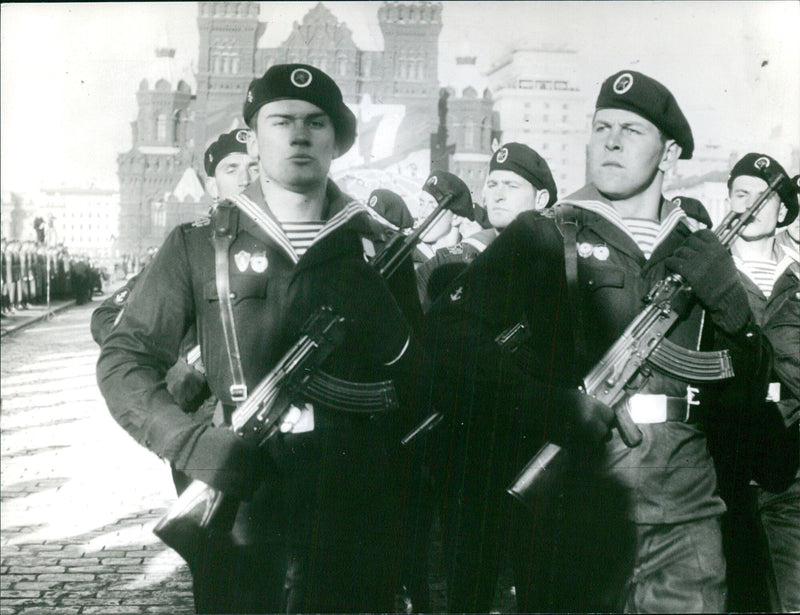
(223, 460)
(187, 386)
(441, 183)
(709, 269)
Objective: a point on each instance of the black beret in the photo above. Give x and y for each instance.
(526, 163)
(766, 167)
(391, 206)
(646, 97)
(694, 209)
(303, 82)
(226, 143)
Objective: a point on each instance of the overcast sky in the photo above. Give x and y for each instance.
(70, 71)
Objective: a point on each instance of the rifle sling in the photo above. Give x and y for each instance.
(225, 221)
(567, 222)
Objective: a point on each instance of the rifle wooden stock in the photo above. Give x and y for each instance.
(202, 511)
(625, 366)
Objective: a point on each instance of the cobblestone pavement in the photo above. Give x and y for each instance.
(78, 497)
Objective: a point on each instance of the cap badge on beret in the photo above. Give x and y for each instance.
(433, 180)
(623, 83)
(249, 96)
(300, 78)
(502, 154)
(241, 136)
(677, 201)
(761, 163)
(373, 201)
(210, 157)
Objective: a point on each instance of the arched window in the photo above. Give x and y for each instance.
(469, 135)
(158, 215)
(161, 128)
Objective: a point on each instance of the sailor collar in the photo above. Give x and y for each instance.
(670, 215)
(341, 210)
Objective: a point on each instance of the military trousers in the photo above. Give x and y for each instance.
(680, 568)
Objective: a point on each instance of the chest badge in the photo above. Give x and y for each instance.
(585, 250)
(601, 253)
(242, 260)
(259, 262)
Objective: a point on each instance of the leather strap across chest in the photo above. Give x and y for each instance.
(225, 221)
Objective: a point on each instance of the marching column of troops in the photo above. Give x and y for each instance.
(25, 266)
(441, 382)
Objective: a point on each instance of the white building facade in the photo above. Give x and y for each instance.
(539, 104)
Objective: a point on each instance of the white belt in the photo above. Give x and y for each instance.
(774, 391)
(648, 408)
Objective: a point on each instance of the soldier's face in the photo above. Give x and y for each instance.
(625, 153)
(745, 189)
(233, 174)
(506, 196)
(295, 142)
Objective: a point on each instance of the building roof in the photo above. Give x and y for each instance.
(362, 24)
(169, 67)
(188, 187)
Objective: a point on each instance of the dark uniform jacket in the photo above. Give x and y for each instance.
(772, 426)
(273, 292)
(670, 476)
(446, 264)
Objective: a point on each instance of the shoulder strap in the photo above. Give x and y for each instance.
(226, 222)
(567, 222)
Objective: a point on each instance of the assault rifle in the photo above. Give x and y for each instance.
(451, 194)
(628, 363)
(201, 510)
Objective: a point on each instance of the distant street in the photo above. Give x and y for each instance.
(78, 496)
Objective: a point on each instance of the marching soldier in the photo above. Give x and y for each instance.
(519, 180)
(763, 493)
(322, 502)
(633, 529)
(230, 169)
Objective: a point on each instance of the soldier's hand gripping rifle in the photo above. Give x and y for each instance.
(202, 509)
(628, 363)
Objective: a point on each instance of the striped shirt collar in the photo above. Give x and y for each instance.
(341, 210)
(590, 199)
(782, 256)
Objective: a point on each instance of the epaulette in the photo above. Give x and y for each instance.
(204, 221)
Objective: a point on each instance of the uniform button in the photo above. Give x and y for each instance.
(233, 295)
(591, 282)
(147, 442)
